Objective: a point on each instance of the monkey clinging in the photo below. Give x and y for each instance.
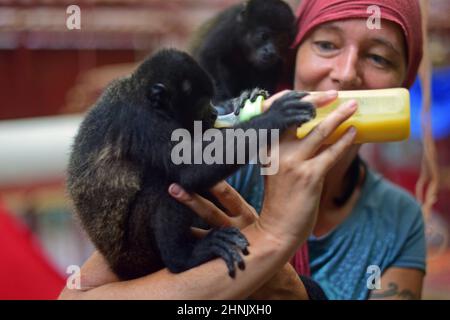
(121, 166)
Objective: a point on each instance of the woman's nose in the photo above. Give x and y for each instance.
(345, 71)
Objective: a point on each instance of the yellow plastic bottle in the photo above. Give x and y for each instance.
(382, 116)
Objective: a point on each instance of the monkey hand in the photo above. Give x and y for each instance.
(255, 93)
(250, 95)
(289, 110)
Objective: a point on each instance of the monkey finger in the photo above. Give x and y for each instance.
(204, 208)
(293, 96)
(267, 103)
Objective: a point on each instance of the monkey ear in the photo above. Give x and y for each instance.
(158, 95)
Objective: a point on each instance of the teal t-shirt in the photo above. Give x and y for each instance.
(385, 229)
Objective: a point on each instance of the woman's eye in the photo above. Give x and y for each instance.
(325, 45)
(379, 60)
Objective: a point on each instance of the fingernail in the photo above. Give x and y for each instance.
(351, 104)
(352, 131)
(331, 93)
(176, 190)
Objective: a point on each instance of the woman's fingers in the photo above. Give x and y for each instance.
(267, 103)
(231, 200)
(314, 140)
(328, 157)
(199, 233)
(204, 208)
(239, 212)
(320, 99)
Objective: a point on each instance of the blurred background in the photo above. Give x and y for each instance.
(50, 75)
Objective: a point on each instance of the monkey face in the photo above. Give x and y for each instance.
(263, 48)
(268, 27)
(206, 113)
(193, 99)
(178, 87)
(195, 104)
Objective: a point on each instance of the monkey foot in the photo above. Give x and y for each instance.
(226, 243)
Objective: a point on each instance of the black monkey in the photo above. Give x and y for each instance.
(244, 47)
(120, 167)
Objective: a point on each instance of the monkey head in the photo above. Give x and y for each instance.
(176, 86)
(266, 29)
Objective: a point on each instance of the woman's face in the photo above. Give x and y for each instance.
(347, 55)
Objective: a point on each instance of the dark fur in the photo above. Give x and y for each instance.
(120, 167)
(232, 49)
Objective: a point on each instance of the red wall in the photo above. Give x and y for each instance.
(35, 82)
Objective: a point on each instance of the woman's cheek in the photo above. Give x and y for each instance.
(375, 79)
(310, 71)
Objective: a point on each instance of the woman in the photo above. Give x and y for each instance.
(362, 220)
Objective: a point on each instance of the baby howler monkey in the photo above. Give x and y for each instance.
(245, 46)
(120, 167)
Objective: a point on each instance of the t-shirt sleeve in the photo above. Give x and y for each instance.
(412, 254)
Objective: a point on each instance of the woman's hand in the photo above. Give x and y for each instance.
(238, 213)
(292, 195)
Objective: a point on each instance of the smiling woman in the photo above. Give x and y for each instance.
(363, 220)
(401, 15)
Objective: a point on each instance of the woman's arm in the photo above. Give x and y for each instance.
(207, 281)
(400, 284)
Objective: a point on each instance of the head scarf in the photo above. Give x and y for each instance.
(405, 13)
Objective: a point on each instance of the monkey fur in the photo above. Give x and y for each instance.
(245, 46)
(120, 167)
